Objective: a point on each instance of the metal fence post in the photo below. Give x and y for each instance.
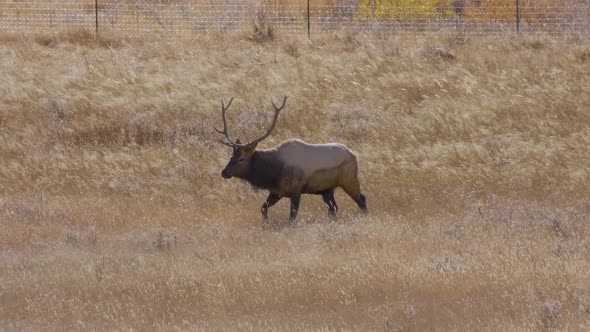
(517, 16)
(96, 15)
(308, 21)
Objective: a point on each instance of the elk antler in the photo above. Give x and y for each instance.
(224, 131)
(232, 144)
(274, 121)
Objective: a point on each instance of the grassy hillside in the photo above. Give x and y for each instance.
(473, 155)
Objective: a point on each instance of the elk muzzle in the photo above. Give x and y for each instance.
(225, 174)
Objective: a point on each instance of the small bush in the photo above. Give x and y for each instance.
(262, 29)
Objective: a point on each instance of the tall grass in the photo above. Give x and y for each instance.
(473, 155)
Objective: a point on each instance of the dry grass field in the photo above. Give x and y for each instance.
(474, 156)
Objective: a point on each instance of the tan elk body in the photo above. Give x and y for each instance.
(294, 168)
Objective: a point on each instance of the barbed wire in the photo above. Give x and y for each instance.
(43, 16)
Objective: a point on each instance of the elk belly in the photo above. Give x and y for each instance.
(321, 180)
(292, 179)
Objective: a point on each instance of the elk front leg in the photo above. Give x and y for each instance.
(271, 200)
(295, 199)
(328, 197)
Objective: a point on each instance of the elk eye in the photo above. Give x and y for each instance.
(241, 159)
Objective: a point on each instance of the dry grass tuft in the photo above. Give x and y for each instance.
(550, 314)
(8, 37)
(291, 47)
(584, 55)
(165, 240)
(473, 155)
(46, 40)
(536, 44)
(82, 37)
(262, 30)
(437, 53)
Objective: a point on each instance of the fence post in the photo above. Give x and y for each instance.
(517, 16)
(96, 15)
(308, 21)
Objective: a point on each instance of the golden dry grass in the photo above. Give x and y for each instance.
(473, 155)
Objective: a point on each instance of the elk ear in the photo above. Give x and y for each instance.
(251, 147)
(235, 148)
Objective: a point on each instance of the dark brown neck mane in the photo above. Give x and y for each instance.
(265, 170)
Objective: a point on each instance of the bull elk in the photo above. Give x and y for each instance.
(293, 168)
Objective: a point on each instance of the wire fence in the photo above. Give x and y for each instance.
(186, 19)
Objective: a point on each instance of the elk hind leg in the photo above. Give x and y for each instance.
(354, 191)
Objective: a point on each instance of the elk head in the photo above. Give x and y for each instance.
(239, 163)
